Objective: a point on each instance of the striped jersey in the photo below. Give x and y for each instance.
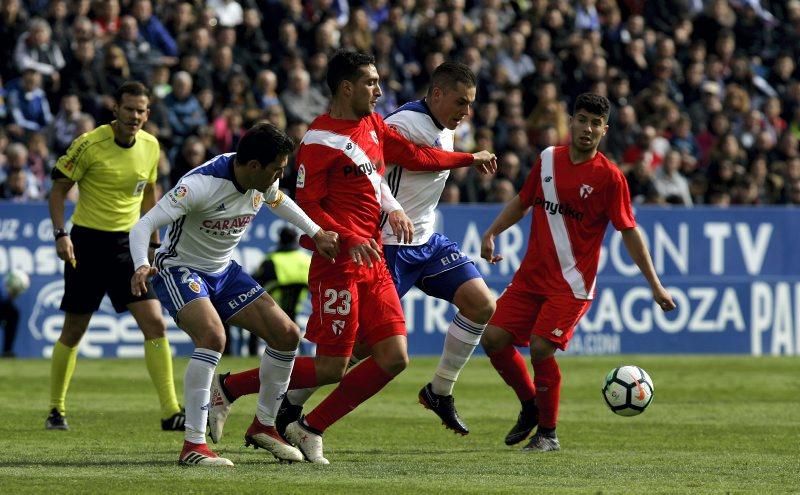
(210, 213)
(340, 164)
(417, 191)
(572, 206)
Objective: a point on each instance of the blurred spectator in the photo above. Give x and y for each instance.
(13, 20)
(154, 32)
(229, 13)
(516, 62)
(106, 19)
(640, 180)
(36, 50)
(83, 76)
(451, 194)
(140, 55)
(27, 186)
(184, 111)
(502, 191)
(15, 187)
(671, 186)
(192, 154)
(27, 104)
(300, 101)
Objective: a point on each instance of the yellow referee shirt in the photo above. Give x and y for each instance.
(110, 177)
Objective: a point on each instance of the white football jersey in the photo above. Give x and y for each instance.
(210, 213)
(417, 192)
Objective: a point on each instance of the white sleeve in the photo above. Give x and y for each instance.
(284, 207)
(139, 236)
(388, 202)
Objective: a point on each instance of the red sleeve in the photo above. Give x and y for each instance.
(312, 187)
(397, 149)
(529, 188)
(619, 203)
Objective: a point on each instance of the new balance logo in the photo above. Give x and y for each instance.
(337, 326)
(221, 207)
(558, 332)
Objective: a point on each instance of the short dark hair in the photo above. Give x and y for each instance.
(344, 67)
(592, 103)
(448, 74)
(134, 88)
(263, 143)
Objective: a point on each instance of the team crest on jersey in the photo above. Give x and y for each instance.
(337, 326)
(177, 193)
(301, 176)
(257, 199)
(374, 136)
(194, 286)
(586, 190)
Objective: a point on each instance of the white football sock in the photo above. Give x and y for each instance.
(463, 336)
(196, 392)
(274, 372)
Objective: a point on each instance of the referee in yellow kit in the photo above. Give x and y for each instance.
(115, 167)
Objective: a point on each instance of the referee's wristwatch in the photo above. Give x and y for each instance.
(59, 233)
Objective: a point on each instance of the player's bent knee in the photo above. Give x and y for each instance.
(213, 340)
(482, 312)
(494, 339)
(393, 363)
(287, 337)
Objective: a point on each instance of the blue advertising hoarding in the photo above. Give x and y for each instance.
(734, 274)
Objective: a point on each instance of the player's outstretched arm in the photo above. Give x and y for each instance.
(511, 214)
(400, 150)
(639, 254)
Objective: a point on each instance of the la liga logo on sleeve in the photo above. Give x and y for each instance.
(301, 176)
(177, 194)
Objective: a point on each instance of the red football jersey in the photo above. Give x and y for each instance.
(339, 169)
(572, 205)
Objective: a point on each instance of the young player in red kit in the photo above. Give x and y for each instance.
(574, 192)
(339, 167)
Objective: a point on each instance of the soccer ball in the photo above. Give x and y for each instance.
(628, 390)
(16, 282)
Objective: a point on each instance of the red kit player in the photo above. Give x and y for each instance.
(574, 191)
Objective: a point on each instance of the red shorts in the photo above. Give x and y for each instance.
(553, 317)
(347, 301)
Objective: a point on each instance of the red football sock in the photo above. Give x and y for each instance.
(513, 368)
(240, 384)
(548, 386)
(304, 374)
(357, 385)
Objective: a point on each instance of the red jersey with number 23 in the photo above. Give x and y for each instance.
(572, 205)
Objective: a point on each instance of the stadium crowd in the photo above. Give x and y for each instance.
(705, 93)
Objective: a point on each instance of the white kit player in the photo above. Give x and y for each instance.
(208, 212)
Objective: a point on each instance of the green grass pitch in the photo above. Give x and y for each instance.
(716, 425)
